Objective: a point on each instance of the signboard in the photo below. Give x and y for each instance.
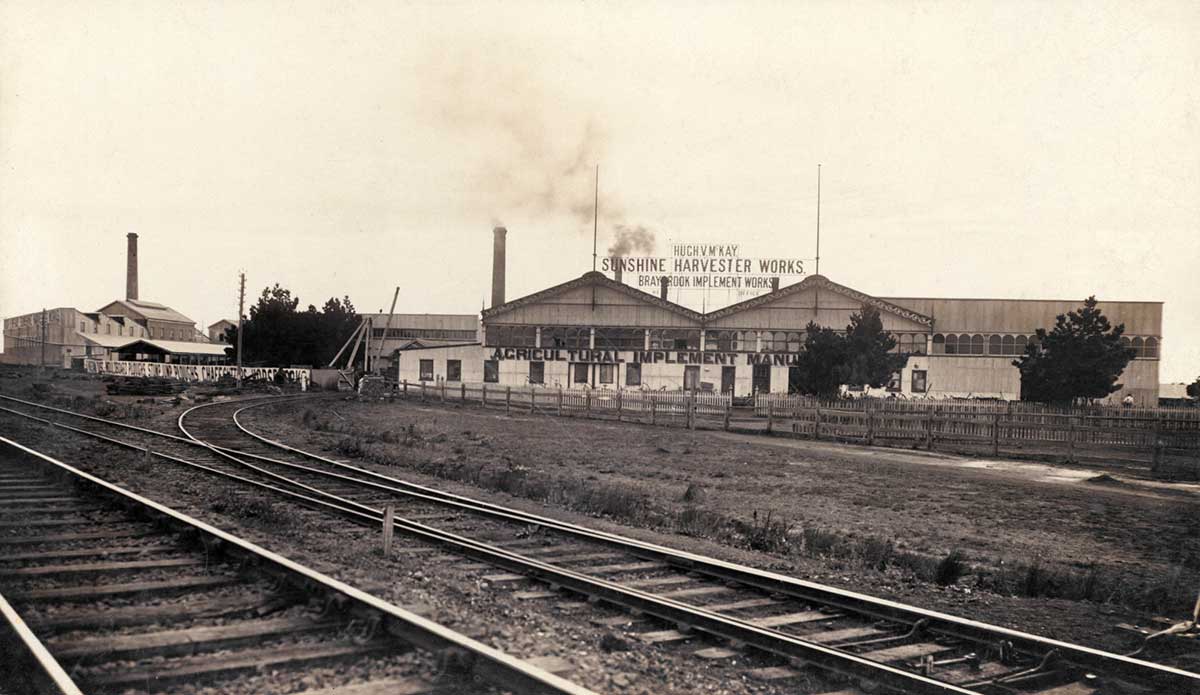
(642, 356)
(703, 266)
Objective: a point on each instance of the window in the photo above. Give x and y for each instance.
(691, 378)
(722, 341)
(620, 339)
(994, 345)
(1152, 348)
(537, 372)
(919, 381)
(674, 339)
(1008, 346)
(633, 374)
(120, 330)
(793, 342)
(82, 327)
(579, 373)
(108, 328)
(491, 371)
(566, 337)
(977, 345)
(512, 336)
(1139, 347)
(951, 344)
(426, 370)
(939, 344)
(606, 374)
(894, 382)
(453, 370)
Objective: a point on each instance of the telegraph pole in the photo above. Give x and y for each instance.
(42, 360)
(241, 309)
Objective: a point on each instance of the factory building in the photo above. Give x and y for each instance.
(596, 332)
(132, 327)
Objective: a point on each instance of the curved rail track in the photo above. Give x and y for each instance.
(107, 591)
(877, 643)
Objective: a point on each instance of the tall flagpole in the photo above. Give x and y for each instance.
(818, 219)
(595, 217)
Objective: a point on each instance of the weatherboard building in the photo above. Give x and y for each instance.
(596, 332)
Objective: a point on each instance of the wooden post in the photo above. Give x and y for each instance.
(483, 397)
(560, 399)
(931, 413)
(653, 411)
(389, 528)
(728, 408)
(817, 424)
(1157, 461)
(532, 399)
(424, 391)
(587, 402)
(443, 391)
(996, 434)
(618, 406)
(870, 424)
(1070, 439)
(507, 400)
(462, 396)
(770, 415)
(406, 388)
(691, 412)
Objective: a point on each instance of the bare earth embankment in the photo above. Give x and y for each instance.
(1045, 553)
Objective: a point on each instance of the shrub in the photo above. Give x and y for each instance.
(950, 569)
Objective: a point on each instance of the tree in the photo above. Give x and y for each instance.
(276, 334)
(821, 358)
(1080, 358)
(868, 357)
(1193, 389)
(859, 357)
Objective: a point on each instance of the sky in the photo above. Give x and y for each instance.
(968, 149)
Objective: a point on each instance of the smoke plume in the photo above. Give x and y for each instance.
(629, 239)
(532, 148)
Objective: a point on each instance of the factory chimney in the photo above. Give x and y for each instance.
(618, 262)
(498, 265)
(662, 293)
(131, 270)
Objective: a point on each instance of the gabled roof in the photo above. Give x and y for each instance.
(824, 283)
(148, 310)
(105, 340)
(595, 279)
(180, 347)
(222, 322)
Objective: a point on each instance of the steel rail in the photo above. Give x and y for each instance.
(816, 593)
(682, 614)
(490, 663)
(49, 674)
(772, 582)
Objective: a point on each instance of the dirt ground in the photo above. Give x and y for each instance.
(1023, 529)
(847, 516)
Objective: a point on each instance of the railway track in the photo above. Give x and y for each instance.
(105, 591)
(724, 607)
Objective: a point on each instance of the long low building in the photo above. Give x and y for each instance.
(596, 332)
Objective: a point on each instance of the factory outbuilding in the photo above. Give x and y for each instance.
(131, 326)
(595, 332)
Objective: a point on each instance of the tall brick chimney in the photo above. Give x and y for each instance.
(617, 268)
(498, 265)
(131, 270)
(662, 293)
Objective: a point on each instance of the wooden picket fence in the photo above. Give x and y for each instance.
(683, 409)
(995, 427)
